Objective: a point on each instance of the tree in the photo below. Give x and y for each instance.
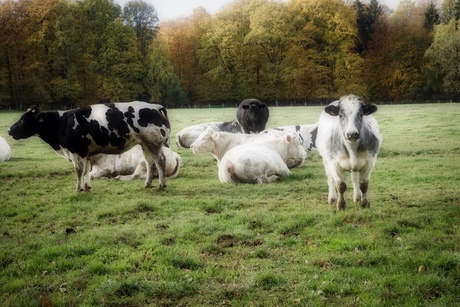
(120, 66)
(366, 18)
(143, 18)
(444, 56)
(431, 16)
(162, 83)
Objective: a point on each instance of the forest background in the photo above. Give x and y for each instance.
(63, 53)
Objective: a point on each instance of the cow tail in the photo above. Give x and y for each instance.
(164, 113)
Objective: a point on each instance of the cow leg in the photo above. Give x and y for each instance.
(332, 194)
(364, 179)
(339, 178)
(86, 175)
(341, 187)
(81, 168)
(356, 189)
(155, 158)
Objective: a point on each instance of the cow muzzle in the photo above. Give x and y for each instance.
(352, 136)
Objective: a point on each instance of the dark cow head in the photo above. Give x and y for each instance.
(350, 110)
(252, 114)
(28, 125)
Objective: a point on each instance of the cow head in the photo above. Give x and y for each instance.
(204, 142)
(295, 152)
(350, 110)
(252, 114)
(28, 125)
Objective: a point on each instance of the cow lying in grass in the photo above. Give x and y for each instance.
(131, 165)
(262, 161)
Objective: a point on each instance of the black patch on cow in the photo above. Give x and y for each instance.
(313, 134)
(117, 126)
(152, 116)
(129, 119)
(232, 127)
(368, 141)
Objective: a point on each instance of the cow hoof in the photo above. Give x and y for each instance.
(161, 187)
(365, 204)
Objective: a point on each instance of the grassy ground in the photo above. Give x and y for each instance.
(203, 243)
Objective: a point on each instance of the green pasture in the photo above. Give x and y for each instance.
(203, 243)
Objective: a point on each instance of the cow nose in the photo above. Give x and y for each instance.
(352, 136)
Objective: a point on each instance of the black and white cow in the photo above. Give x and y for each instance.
(188, 135)
(5, 150)
(252, 114)
(348, 141)
(103, 128)
(306, 133)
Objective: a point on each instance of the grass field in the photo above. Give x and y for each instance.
(203, 243)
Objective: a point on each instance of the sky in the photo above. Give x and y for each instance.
(173, 9)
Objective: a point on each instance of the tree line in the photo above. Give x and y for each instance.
(63, 53)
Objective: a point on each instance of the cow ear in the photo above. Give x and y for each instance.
(288, 138)
(369, 109)
(332, 110)
(41, 117)
(214, 136)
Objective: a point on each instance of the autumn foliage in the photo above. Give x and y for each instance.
(62, 53)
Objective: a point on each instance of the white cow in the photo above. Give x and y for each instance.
(188, 135)
(218, 142)
(306, 133)
(131, 165)
(261, 161)
(5, 150)
(348, 141)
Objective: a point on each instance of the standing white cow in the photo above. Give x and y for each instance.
(348, 141)
(261, 161)
(131, 164)
(5, 150)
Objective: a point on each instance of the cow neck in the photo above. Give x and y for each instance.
(49, 130)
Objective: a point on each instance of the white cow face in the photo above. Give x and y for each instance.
(350, 111)
(204, 142)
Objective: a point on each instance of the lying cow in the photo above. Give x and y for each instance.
(261, 161)
(349, 141)
(111, 129)
(252, 115)
(131, 164)
(306, 133)
(188, 135)
(5, 150)
(218, 143)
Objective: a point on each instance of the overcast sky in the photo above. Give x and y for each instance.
(172, 9)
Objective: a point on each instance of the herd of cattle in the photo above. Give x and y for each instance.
(130, 140)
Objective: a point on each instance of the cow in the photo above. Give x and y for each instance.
(5, 150)
(261, 161)
(102, 128)
(218, 143)
(306, 133)
(252, 114)
(188, 135)
(348, 140)
(131, 164)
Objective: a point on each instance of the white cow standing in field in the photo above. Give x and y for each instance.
(261, 161)
(131, 164)
(306, 133)
(5, 150)
(348, 141)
